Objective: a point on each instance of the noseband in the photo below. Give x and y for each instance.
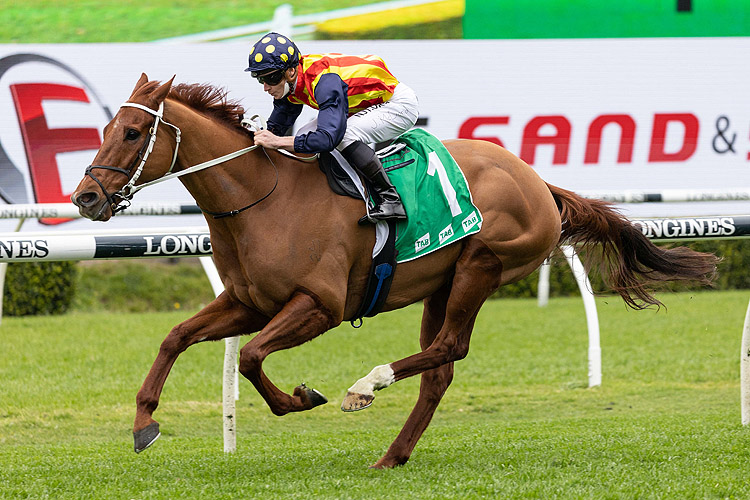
(125, 194)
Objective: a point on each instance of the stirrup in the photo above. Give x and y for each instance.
(375, 216)
(366, 219)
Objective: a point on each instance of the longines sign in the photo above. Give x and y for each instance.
(596, 115)
(37, 247)
(695, 228)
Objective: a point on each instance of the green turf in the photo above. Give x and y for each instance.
(69, 21)
(518, 421)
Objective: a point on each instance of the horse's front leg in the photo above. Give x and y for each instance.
(220, 319)
(302, 319)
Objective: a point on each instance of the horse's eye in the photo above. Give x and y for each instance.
(132, 134)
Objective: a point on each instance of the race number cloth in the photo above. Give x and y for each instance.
(435, 194)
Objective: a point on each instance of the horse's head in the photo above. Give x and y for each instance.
(129, 141)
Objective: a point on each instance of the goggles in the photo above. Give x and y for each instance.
(271, 78)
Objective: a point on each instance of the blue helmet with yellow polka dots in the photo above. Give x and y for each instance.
(272, 52)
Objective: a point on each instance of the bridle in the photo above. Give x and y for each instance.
(125, 194)
(120, 200)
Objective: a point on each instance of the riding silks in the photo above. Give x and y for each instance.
(435, 194)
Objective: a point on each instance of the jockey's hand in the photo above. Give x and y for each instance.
(270, 140)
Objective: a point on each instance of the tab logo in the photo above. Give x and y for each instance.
(470, 221)
(446, 234)
(422, 243)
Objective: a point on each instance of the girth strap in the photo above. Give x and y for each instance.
(379, 280)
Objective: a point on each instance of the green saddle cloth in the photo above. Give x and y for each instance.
(435, 194)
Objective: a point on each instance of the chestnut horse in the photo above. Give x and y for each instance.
(295, 263)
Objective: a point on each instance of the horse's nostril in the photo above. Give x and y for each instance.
(87, 199)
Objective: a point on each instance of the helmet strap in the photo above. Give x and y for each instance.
(288, 88)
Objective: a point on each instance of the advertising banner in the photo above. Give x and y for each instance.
(588, 115)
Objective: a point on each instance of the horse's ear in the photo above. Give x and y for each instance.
(161, 93)
(141, 82)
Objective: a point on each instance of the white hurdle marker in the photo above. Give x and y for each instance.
(70, 211)
(230, 388)
(671, 229)
(745, 370)
(182, 242)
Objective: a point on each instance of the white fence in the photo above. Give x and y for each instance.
(285, 22)
(70, 211)
(186, 242)
(178, 242)
(681, 229)
(669, 195)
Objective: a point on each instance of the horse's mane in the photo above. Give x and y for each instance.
(205, 98)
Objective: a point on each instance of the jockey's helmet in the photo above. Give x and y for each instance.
(272, 52)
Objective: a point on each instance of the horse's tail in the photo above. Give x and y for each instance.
(630, 262)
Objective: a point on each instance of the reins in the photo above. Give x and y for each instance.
(232, 213)
(126, 193)
(257, 122)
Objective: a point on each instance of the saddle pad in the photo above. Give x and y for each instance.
(435, 194)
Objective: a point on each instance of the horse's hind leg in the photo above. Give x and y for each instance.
(302, 319)
(477, 275)
(220, 319)
(432, 387)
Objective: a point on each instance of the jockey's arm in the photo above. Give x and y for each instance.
(283, 116)
(330, 93)
(268, 139)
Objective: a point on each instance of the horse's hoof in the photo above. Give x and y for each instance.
(315, 397)
(353, 401)
(387, 464)
(146, 436)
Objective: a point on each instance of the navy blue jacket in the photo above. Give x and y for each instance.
(330, 93)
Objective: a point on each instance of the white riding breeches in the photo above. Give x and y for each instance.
(385, 121)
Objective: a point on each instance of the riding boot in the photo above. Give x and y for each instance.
(387, 201)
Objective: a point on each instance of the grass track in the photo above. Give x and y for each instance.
(85, 21)
(517, 422)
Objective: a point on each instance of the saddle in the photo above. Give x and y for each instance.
(341, 182)
(435, 194)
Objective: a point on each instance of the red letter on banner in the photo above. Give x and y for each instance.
(532, 139)
(469, 126)
(658, 137)
(43, 143)
(627, 138)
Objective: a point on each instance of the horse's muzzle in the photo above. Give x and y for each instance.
(91, 205)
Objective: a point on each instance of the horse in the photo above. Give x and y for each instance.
(294, 262)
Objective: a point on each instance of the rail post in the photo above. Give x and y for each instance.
(745, 370)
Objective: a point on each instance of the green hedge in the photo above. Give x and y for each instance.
(142, 285)
(38, 288)
(734, 272)
(135, 286)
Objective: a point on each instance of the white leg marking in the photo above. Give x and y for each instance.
(379, 378)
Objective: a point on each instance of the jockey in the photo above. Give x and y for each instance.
(359, 102)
